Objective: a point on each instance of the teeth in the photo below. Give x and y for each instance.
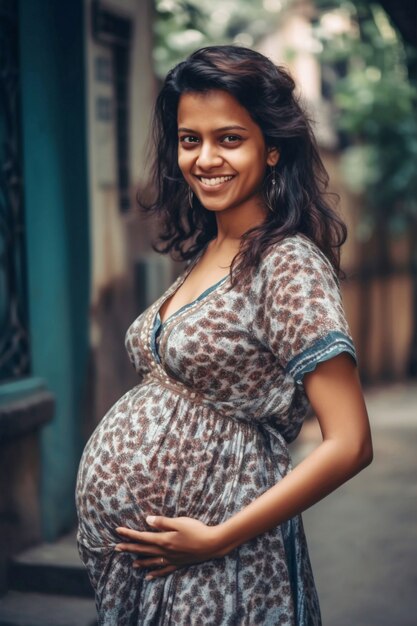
(215, 181)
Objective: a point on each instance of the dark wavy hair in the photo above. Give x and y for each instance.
(267, 93)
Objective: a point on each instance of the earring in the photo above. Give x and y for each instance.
(190, 197)
(272, 190)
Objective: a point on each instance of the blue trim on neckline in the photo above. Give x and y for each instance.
(186, 306)
(159, 325)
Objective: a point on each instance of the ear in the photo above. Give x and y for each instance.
(273, 156)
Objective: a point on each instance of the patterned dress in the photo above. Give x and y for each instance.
(203, 434)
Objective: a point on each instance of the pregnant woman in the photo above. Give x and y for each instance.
(189, 509)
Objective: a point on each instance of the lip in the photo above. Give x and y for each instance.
(211, 187)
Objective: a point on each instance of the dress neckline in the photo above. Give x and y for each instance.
(200, 297)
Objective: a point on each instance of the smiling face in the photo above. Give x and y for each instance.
(221, 151)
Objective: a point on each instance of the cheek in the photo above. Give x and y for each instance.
(255, 169)
(261, 165)
(252, 161)
(184, 163)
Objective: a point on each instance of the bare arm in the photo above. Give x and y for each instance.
(335, 393)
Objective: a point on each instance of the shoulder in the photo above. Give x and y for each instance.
(294, 257)
(295, 248)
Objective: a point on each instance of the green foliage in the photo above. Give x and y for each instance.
(376, 106)
(182, 26)
(374, 100)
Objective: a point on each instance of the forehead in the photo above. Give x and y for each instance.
(214, 109)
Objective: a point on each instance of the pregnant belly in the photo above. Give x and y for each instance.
(157, 453)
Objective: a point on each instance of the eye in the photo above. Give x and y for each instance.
(231, 139)
(188, 140)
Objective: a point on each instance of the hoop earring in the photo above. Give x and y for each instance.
(190, 197)
(272, 190)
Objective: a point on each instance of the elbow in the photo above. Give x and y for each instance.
(355, 456)
(364, 455)
(367, 455)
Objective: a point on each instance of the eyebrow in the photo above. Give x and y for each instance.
(223, 128)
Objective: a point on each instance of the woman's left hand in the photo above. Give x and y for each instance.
(181, 541)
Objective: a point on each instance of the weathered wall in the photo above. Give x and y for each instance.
(56, 211)
(126, 274)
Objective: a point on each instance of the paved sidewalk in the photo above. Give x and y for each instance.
(363, 537)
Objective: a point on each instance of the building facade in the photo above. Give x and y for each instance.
(76, 262)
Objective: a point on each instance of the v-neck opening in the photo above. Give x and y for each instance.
(197, 299)
(189, 304)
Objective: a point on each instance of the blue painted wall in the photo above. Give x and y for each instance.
(56, 204)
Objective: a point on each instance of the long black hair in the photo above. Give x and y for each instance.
(300, 202)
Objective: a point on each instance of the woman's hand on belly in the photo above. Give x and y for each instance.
(181, 541)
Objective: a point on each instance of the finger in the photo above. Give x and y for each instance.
(152, 562)
(138, 548)
(161, 572)
(144, 536)
(162, 522)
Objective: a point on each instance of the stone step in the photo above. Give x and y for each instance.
(41, 609)
(53, 568)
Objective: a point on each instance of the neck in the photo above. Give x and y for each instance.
(236, 221)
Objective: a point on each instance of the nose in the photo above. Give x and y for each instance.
(208, 156)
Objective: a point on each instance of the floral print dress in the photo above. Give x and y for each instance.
(203, 434)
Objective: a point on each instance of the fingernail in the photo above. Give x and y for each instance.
(148, 577)
(118, 548)
(150, 519)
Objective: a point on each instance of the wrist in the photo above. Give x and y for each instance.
(223, 543)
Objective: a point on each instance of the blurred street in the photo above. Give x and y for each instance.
(363, 537)
(84, 208)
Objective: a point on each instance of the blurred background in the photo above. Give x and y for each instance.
(78, 80)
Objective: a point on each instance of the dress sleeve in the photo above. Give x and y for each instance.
(303, 315)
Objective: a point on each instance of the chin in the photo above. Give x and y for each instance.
(217, 207)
